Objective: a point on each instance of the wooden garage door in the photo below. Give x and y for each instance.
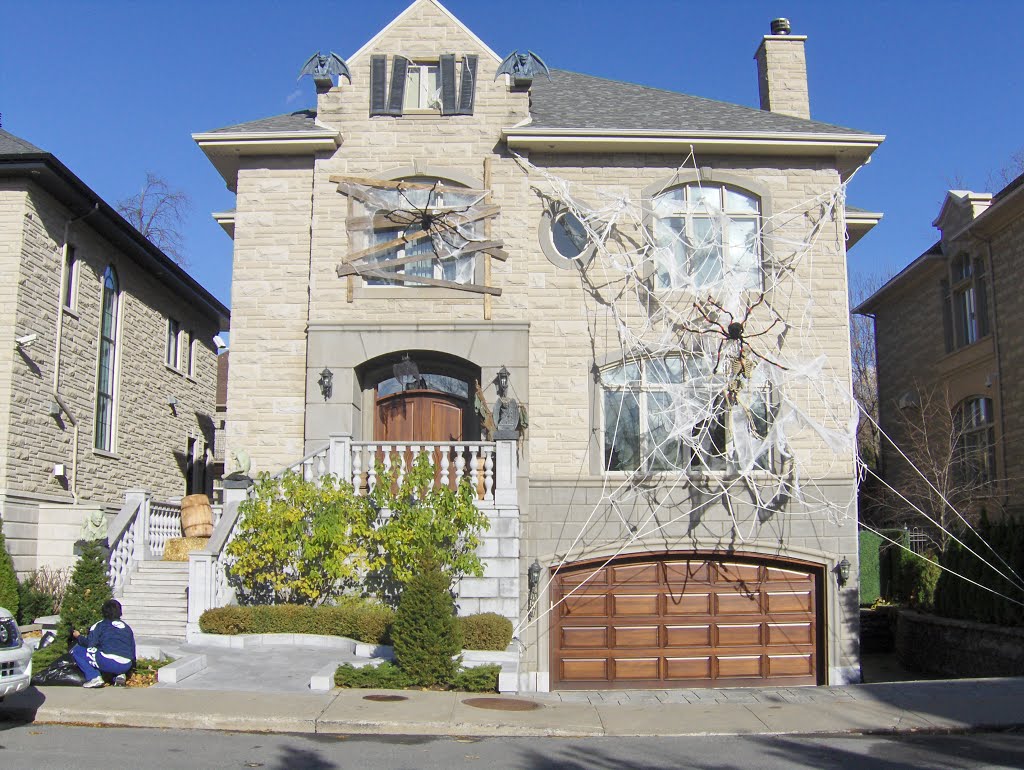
(686, 621)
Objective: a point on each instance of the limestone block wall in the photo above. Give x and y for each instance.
(270, 299)
(13, 214)
(498, 590)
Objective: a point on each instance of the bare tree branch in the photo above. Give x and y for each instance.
(159, 212)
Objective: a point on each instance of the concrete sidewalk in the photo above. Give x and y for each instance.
(967, 704)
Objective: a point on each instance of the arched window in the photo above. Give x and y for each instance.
(106, 375)
(675, 414)
(975, 454)
(707, 235)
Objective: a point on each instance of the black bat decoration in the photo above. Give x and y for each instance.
(522, 66)
(321, 66)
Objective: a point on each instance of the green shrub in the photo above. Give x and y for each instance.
(44, 657)
(362, 621)
(870, 567)
(32, 603)
(41, 593)
(486, 631)
(477, 679)
(425, 632)
(84, 599)
(9, 599)
(386, 676)
(958, 597)
(919, 577)
(298, 541)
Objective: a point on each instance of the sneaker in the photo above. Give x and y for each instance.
(120, 681)
(97, 682)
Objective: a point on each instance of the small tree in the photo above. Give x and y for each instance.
(422, 521)
(83, 602)
(300, 542)
(426, 633)
(159, 212)
(8, 580)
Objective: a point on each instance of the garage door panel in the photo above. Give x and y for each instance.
(791, 665)
(635, 605)
(637, 668)
(682, 669)
(737, 604)
(584, 605)
(733, 666)
(790, 633)
(683, 573)
(738, 635)
(635, 573)
(687, 622)
(688, 636)
(789, 601)
(687, 604)
(636, 636)
(730, 572)
(585, 670)
(584, 637)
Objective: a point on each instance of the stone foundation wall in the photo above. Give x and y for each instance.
(958, 648)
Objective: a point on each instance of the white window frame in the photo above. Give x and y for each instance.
(113, 365)
(191, 352)
(172, 347)
(693, 462)
(426, 100)
(665, 208)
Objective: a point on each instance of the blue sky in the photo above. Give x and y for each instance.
(115, 89)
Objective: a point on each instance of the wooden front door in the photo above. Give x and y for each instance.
(419, 415)
(686, 621)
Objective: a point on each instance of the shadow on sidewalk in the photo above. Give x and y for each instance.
(16, 710)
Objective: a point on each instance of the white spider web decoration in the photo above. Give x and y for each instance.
(720, 386)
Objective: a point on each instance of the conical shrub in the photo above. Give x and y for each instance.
(426, 635)
(8, 580)
(83, 602)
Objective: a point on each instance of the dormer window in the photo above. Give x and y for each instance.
(422, 91)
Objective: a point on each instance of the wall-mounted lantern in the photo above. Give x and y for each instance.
(532, 582)
(843, 572)
(326, 383)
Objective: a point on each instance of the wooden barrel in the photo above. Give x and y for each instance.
(196, 516)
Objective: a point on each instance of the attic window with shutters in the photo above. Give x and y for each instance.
(400, 86)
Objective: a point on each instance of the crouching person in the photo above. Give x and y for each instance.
(108, 648)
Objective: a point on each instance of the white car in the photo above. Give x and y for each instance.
(15, 657)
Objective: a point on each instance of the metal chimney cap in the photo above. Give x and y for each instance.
(780, 27)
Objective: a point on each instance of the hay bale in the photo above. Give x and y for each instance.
(177, 548)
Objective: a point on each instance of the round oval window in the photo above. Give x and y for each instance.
(569, 236)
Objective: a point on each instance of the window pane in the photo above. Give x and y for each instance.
(738, 202)
(704, 198)
(621, 431)
(709, 437)
(568, 235)
(665, 449)
(664, 371)
(743, 252)
(706, 257)
(670, 258)
(670, 202)
(411, 100)
(620, 375)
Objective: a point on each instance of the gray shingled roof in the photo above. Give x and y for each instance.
(13, 145)
(303, 120)
(574, 101)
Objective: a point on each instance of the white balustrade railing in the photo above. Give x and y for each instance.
(139, 532)
(489, 467)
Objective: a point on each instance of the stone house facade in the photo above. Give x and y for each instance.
(90, 308)
(943, 334)
(328, 281)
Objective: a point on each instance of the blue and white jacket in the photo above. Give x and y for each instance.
(113, 639)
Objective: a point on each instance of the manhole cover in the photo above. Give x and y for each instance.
(385, 698)
(502, 704)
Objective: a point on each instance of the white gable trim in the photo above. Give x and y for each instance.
(373, 40)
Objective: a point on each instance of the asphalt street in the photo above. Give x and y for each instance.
(42, 747)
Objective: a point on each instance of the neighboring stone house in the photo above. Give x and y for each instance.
(945, 339)
(333, 289)
(109, 380)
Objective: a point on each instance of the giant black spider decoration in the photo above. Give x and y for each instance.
(735, 331)
(436, 221)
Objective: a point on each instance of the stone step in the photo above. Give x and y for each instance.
(136, 602)
(159, 578)
(161, 630)
(163, 566)
(141, 615)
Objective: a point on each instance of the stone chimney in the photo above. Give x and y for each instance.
(782, 72)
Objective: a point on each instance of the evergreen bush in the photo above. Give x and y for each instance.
(477, 679)
(386, 676)
(89, 588)
(361, 620)
(870, 567)
(425, 632)
(8, 580)
(485, 631)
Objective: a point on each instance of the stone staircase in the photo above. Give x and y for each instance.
(155, 601)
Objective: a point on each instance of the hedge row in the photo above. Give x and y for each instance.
(958, 598)
(388, 676)
(364, 622)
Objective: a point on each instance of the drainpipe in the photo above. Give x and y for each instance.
(59, 337)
